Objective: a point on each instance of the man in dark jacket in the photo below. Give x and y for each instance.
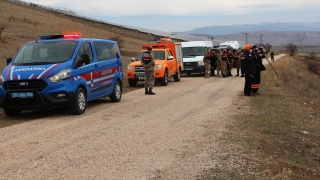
(257, 55)
(247, 67)
(213, 62)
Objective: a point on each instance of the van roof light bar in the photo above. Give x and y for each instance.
(66, 36)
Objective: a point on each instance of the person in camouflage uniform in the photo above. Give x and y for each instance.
(148, 63)
(219, 62)
(230, 62)
(224, 58)
(207, 62)
(237, 55)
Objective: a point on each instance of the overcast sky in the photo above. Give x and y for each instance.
(184, 15)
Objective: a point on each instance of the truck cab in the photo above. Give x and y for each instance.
(193, 52)
(168, 62)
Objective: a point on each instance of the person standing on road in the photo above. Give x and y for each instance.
(148, 63)
(230, 61)
(224, 69)
(272, 56)
(248, 69)
(237, 60)
(257, 55)
(213, 62)
(242, 71)
(219, 62)
(207, 62)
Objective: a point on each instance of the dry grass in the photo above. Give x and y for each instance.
(275, 135)
(25, 23)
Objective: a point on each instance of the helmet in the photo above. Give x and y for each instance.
(247, 46)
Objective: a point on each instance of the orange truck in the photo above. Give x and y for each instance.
(168, 62)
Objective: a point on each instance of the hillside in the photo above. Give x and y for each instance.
(25, 23)
(266, 26)
(310, 38)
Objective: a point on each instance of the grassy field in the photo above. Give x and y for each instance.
(276, 135)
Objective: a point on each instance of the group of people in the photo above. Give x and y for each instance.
(248, 60)
(221, 61)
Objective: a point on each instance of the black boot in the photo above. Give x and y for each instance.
(146, 91)
(150, 92)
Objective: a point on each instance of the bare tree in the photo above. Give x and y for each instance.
(292, 48)
(2, 28)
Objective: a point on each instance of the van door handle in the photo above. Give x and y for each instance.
(95, 65)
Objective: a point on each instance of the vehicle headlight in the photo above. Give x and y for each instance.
(1, 79)
(130, 68)
(200, 63)
(60, 76)
(158, 66)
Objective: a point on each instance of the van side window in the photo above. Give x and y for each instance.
(106, 50)
(85, 48)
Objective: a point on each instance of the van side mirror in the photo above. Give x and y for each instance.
(133, 59)
(9, 60)
(170, 57)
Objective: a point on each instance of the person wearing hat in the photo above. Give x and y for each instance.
(257, 55)
(248, 69)
(148, 63)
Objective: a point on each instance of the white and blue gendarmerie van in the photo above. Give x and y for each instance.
(61, 71)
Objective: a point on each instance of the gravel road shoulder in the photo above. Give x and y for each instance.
(171, 135)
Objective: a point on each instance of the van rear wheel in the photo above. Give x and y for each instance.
(177, 76)
(80, 102)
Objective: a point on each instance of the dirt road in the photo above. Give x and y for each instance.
(171, 135)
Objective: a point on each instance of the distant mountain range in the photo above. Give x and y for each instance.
(266, 26)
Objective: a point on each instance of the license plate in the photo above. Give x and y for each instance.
(141, 78)
(22, 95)
(188, 69)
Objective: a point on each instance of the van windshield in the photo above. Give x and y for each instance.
(158, 55)
(45, 53)
(193, 51)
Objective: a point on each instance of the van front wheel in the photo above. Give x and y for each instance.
(80, 102)
(164, 80)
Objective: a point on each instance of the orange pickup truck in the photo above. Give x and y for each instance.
(168, 62)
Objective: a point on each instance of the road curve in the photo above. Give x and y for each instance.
(171, 135)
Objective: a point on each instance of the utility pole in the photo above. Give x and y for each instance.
(246, 37)
(301, 39)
